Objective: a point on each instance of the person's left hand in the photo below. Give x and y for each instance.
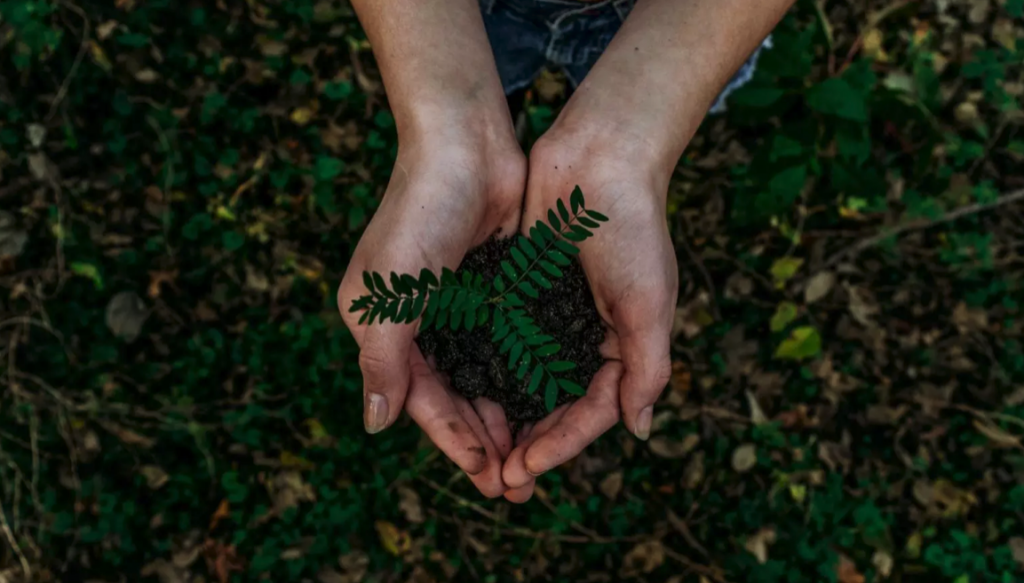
(631, 266)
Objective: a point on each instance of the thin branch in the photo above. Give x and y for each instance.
(14, 545)
(63, 91)
(852, 252)
(700, 267)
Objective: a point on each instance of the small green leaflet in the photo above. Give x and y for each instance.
(550, 394)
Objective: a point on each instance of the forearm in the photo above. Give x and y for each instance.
(437, 64)
(657, 79)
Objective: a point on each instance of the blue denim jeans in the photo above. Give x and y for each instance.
(529, 35)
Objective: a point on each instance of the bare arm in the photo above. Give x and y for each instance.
(437, 64)
(619, 138)
(459, 178)
(657, 79)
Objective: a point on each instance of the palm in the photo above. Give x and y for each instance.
(631, 267)
(431, 191)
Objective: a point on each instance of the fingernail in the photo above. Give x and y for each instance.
(375, 413)
(643, 422)
(533, 474)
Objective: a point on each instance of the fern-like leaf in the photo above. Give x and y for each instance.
(463, 301)
(551, 394)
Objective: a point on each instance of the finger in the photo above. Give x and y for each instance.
(384, 362)
(434, 409)
(522, 494)
(488, 481)
(584, 421)
(648, 370)
(493, 417)
(514, 472)
(609, 349)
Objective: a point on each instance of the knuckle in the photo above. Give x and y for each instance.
(375, 362)
(662, 374)
(491, 489)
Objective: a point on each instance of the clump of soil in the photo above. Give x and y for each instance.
(566, 312)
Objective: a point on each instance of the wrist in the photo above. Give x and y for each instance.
(479, 114)
(585, 152)
(636, 141)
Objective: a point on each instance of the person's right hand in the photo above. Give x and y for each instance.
(450, 191)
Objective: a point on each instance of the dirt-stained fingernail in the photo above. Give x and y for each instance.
(643, 422)
(375, 413)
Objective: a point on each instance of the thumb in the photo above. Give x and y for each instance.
(648, 369)
(384, 361)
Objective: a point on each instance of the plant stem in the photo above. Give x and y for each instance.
(540, 254)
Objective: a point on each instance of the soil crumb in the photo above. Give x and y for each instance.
(475, 368)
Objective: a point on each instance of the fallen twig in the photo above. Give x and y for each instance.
(14, 545)
(852, 252)
(63, 91)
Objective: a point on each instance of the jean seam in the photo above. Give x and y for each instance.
(623, 8)
(557, 22)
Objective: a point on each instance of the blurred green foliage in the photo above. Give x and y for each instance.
(210, 167)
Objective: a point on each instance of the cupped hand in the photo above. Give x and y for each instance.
(631, 266)
(447, 194)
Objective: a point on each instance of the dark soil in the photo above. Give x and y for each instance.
(565, 312)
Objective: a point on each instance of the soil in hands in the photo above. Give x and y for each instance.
(476, 369)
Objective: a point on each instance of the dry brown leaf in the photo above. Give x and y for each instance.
(846, 571)
(289, 490)
(355, 565)
(125, 315)
(1016, 545)
(969, 319)
(681, 380)
(164, 571)
(691, 319)
(290, 460)
(611, 485)
(146, 76)
(155, 476)
(157, 279)
(744, 458)
(819, 286)
(1016, 397)
(127, 436)
(664, 447)
(550, 86)
(223, 511)
(758, 544)
(693, 474)
(395, 541)
(409, 504)
(643, 558)
(997, 435)
(757, 416)
(872, 44)
(882, 561)
(12, 239)
(105, 29)
(738, 286)
(270, 47)
(862, 307)
(255, 279)
(1004, 33)
(222, 559)
(301, 115)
